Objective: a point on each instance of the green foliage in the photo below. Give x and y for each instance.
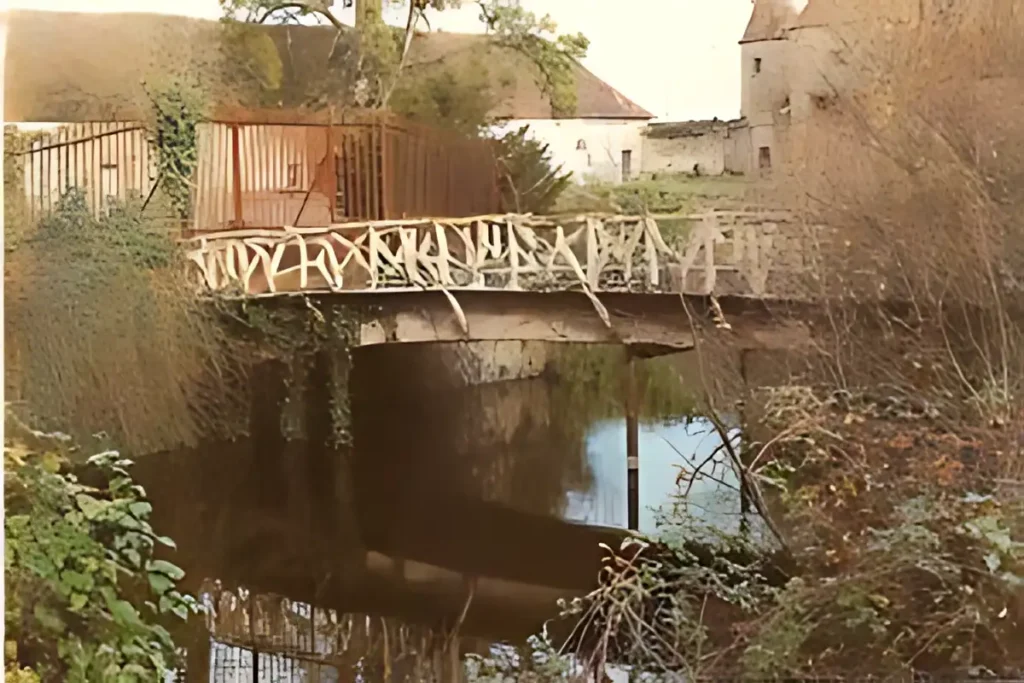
(86, 598)
(176, 114)
(251, 53)
(931, 589)
(297, 334)
(659, 194)
(16, 209)
(554, 56)
(367, 67)
(891, 560)
(105, 331)
(538, 661)
(529, 182)
(454, 97)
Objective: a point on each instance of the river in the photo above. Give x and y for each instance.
(466, 508)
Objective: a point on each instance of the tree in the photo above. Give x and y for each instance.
(380, 54)
(528, 181)
(87, 598)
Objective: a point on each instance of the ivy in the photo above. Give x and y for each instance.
(87, 598)
(16, 207)
(297, 333)
(176, 114)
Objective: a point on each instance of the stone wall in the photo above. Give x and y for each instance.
(715, 147)
(684, 147)
(484, 362)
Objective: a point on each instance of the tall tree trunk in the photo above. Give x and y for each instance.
(368, 11)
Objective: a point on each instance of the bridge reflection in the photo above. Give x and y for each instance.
(451, 511)
(446, 511)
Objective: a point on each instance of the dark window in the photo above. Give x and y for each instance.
(627, 164)
(764, 158)
(581, 145)
(757, 65)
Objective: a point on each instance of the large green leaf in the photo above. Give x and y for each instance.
(123, 612)
(77, 581)
(90, 506)
(160, 583)
(165, 567)
(140, 509)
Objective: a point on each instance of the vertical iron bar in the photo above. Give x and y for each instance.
(632, 447)
(60, 140)
(331, 162)
(252, 637)
(236, 175)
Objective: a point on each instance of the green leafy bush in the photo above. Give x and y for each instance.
(175, 117)
(86, 598)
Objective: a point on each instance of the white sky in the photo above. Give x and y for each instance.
(679, 59)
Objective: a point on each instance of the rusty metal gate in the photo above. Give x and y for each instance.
(278, 168)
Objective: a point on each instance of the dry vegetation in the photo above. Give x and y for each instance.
(886, 472)
(104, 334)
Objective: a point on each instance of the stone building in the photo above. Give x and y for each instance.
(793, 63)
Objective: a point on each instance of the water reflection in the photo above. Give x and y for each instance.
(669, 454)
(458, 518)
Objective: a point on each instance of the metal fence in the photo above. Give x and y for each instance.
(270, 639)
(272, 169)
(106, 159)
(230, 663)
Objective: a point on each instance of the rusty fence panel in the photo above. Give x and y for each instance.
(270, 175)
(284, 177)
(432, 173)
(107, 160)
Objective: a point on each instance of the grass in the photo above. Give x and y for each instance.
(660, 193)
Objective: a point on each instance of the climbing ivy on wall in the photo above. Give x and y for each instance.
(176, 112)
(296, 331)
(16, 206)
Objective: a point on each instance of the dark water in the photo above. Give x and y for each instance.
(463, 510)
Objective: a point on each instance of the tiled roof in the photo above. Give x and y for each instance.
(63, 66)
(769, 20)
(683, 129)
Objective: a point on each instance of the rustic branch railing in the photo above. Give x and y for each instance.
(593, 253)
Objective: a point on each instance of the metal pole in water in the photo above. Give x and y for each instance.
(632, 447)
